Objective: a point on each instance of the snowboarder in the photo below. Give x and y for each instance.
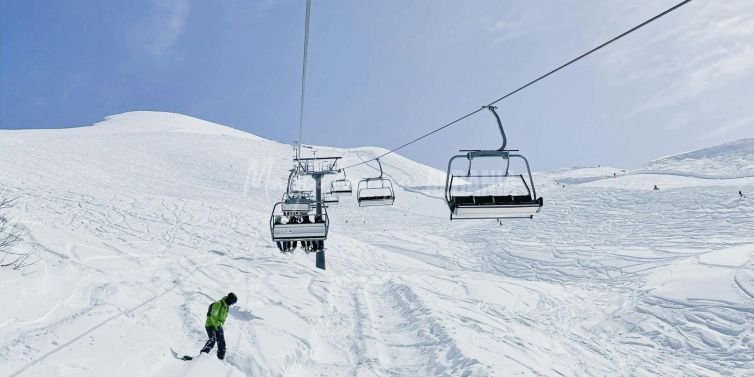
(656, 188)
(216, 315)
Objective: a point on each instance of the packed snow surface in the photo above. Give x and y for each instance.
(141, 221)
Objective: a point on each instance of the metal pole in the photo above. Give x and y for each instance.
(303, 78)
(320, 263)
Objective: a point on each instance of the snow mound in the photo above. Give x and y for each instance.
(161, 122)
(730, 165)
(730, 160)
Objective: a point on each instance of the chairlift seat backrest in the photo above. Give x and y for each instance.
(491, 200)
(368, 201)
(341, 190)
(522, 209)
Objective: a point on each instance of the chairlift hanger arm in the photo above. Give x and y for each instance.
(290, 181)
(499, 125)
(379, 177)
(500, 152)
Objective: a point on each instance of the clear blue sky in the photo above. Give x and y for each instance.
(382, 72)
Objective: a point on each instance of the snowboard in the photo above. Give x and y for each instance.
(184, 357)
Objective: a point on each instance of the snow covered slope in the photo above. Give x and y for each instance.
(728, 160)
(141, 221)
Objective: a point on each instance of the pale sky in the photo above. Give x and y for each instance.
(383, 72)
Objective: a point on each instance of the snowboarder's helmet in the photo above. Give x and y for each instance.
(231, 298)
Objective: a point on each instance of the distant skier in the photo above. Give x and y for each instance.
(216, 315)
(615, 175)
(656, 188)
(740, 194)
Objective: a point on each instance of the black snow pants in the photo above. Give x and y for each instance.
(215, 335)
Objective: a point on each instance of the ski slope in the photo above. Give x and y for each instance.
(142, 220)
(731, 159)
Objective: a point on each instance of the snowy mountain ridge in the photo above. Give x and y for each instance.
(154, 121)
(733, 159)
(141, 221)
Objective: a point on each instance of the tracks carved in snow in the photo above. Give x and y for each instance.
(410, 340)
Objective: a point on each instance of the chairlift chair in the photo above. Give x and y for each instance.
(295, 201)
(330, 199)
(376, 191)
(499, 205)
(291, 228)
(341, 187)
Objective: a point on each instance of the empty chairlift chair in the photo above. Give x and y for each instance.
(297, 202)
(494, 200)
(341, 187)
(376, 191)
(330, 199)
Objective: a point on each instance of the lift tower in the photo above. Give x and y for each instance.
(317, 167)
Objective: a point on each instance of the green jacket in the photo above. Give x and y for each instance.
(216, 314)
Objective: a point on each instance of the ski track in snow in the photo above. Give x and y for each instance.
(137, 233)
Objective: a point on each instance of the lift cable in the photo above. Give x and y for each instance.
(303, 79)
(530, 83)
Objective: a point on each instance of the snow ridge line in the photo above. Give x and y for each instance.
(687, 174)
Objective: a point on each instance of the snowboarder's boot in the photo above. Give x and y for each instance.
(207, 347)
